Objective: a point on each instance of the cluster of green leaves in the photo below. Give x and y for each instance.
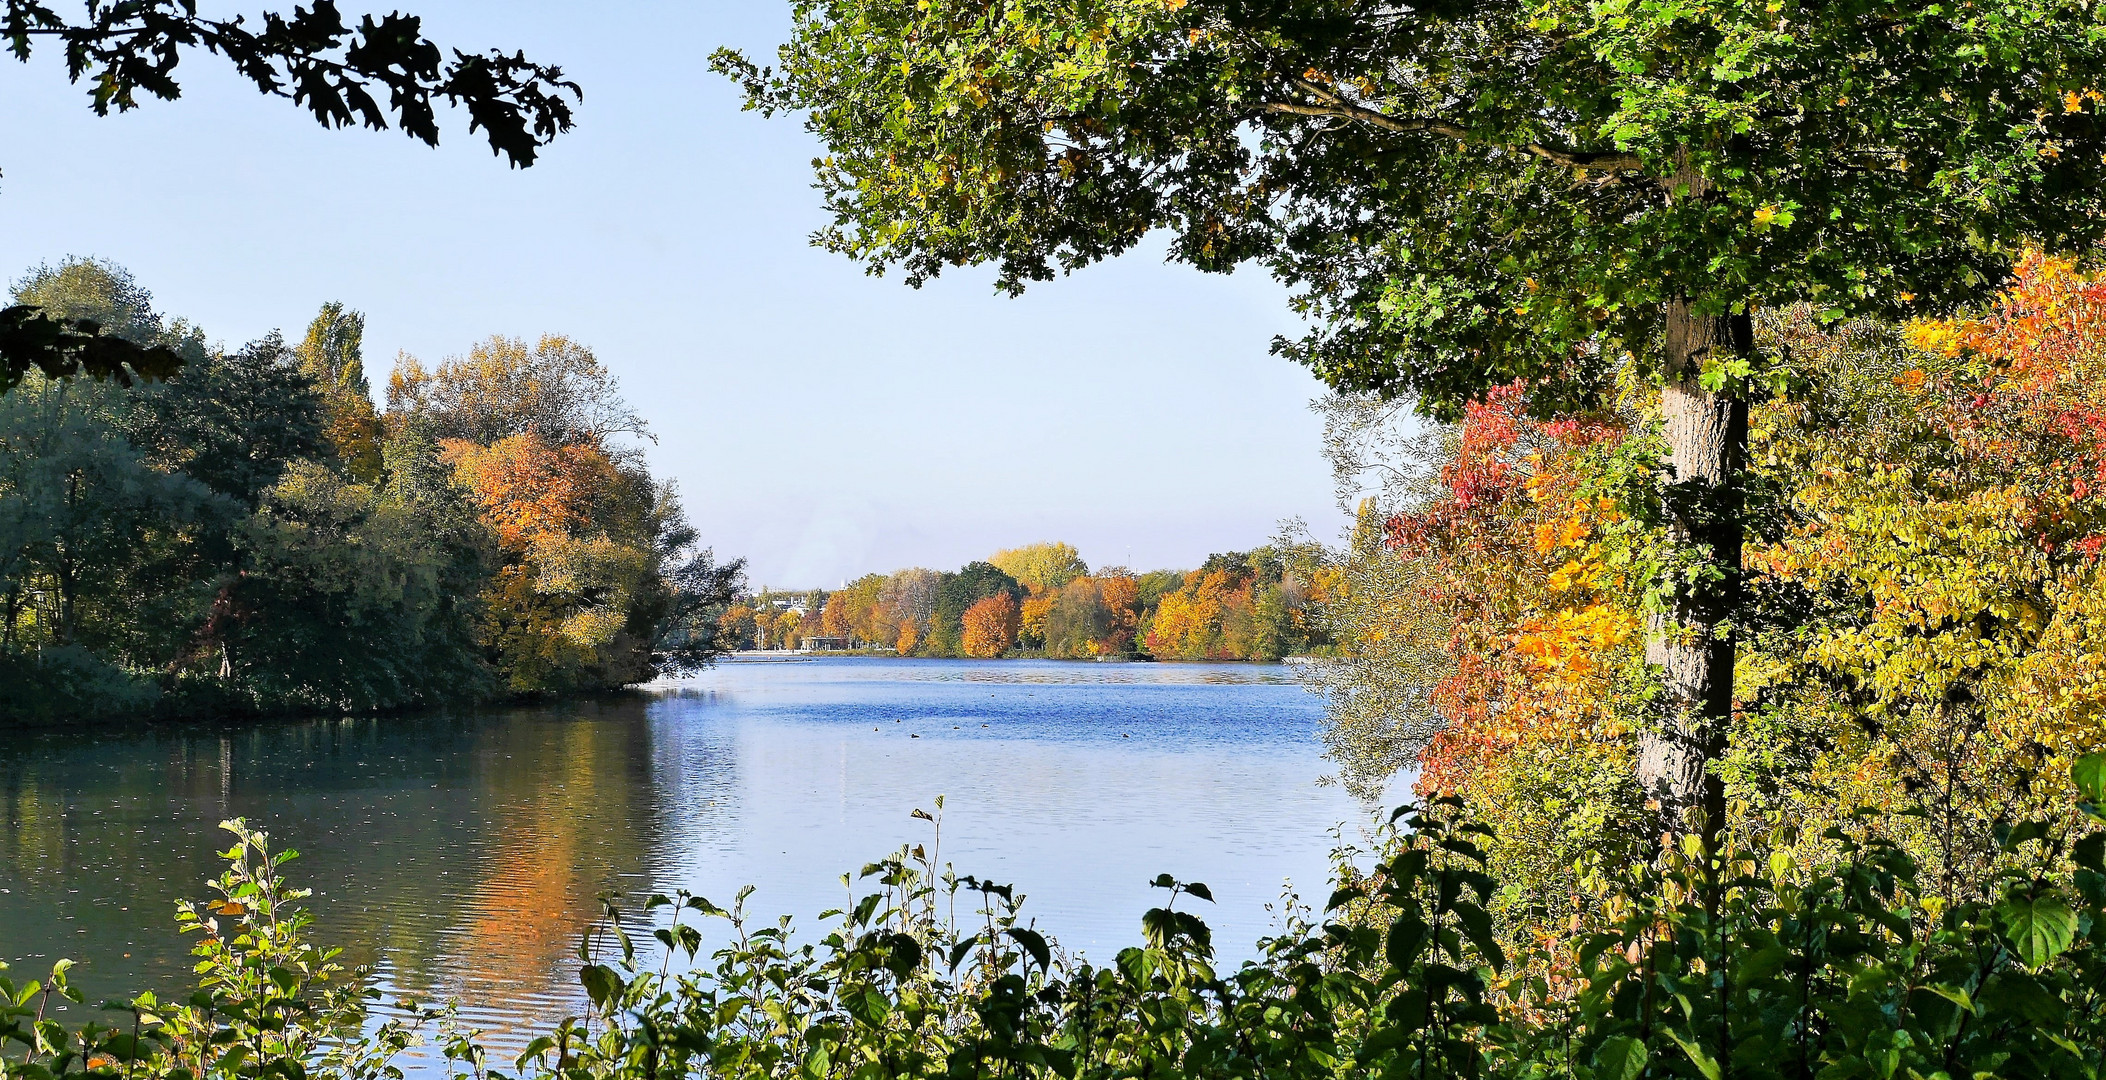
(1741, 965)
(269, 1001)
(1464, 194)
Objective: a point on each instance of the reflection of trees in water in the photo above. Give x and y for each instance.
(464, 851)
(580, 820)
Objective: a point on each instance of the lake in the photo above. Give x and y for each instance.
(461, 854)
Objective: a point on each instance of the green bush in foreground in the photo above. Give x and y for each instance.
(1737, 968)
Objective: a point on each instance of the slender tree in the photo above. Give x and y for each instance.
(331, 355)
(1467, 193)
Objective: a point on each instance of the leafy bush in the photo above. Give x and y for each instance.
(67, 680)
(1741, 966)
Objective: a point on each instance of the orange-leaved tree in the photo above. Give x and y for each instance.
(572, 604)
(990, 626)
(1486, 634)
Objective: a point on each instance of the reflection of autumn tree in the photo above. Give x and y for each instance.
(460, 852)
(568, 832)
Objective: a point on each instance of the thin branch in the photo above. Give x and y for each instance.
(1336, 106)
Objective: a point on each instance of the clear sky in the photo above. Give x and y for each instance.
(820, 422)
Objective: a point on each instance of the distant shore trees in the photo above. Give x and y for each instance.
(1043, 600)
(252, 535)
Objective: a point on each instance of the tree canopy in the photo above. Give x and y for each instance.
(1463, 194)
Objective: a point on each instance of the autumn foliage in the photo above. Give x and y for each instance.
(1256, 605)
(582, 588)
(1925, 623)
(530, 491)
(990, 626)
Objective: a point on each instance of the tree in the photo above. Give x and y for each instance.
(79, 505)
(1470, 195)
(556, 390)
(989, 626)
(974, 582)
(702, 588)
(313, 59)
(342, 604)
(1040, 567)
(331, 356)
(909, 597)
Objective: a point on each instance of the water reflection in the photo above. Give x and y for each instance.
(461, 855)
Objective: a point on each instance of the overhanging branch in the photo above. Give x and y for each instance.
(1335, 106)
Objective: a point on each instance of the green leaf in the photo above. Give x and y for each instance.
(2039, 926)
(1035, 944)
(1477, 923)
(534, 1049)
(2091, 851)
(1407, 936)
(1619, 1057)
(1761, 964)
(868, 1007)
(1344, 896)
(601, 984)
(2089, 773)
(2016, 994)
(1704, 1062)
(902, 954)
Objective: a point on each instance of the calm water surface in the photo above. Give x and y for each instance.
(461, 855)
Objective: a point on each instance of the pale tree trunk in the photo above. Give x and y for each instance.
(1707, 438)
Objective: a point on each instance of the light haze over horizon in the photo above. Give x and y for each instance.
(822, 423)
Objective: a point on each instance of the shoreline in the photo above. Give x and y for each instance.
(793, 656)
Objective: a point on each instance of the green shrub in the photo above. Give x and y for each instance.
(59, 682)
(1742, 966)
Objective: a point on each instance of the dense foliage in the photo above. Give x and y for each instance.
(1921, 629)
(1043, 600)
(1751, 966)
(252, 535)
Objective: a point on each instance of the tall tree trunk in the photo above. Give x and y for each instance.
(1707, 439)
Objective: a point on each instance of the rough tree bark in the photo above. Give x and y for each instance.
(1707, 438)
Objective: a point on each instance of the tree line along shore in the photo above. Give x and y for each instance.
(1043, 600)
(251, 535)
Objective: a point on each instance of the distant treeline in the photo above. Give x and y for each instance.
(1043, 600)
(252, 535)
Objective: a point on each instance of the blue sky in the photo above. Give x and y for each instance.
(820, 422)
